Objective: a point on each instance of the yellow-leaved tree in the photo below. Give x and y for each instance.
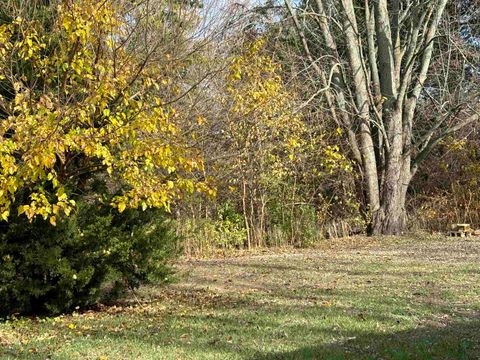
(264, 132)
(270, 161)
(77, 101)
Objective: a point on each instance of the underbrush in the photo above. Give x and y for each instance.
(299, 227)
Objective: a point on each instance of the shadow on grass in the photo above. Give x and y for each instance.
(459, 340)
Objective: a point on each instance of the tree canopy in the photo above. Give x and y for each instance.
(77, 101)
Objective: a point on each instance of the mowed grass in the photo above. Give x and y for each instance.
(361, 298)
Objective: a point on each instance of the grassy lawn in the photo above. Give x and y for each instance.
(389, 298)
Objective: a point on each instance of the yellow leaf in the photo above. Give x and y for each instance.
(61, 194)
(121, 206)
(5, 215)
(22, 209)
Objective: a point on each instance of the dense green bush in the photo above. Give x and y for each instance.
(94, 255)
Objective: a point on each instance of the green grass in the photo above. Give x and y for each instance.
(388, 298)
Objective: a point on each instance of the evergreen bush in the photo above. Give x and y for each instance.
(93, 255)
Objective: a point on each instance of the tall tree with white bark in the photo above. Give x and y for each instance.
(373, 60)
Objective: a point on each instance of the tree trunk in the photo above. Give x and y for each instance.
(391, 219)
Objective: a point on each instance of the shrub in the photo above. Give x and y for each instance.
(94, 255)
(202, 236)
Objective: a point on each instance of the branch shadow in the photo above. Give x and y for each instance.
(458, 340)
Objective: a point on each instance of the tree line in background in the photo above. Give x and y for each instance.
(388, 95)
(235, 125)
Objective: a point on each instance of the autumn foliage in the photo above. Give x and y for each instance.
(268, 127)
(78, 102)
